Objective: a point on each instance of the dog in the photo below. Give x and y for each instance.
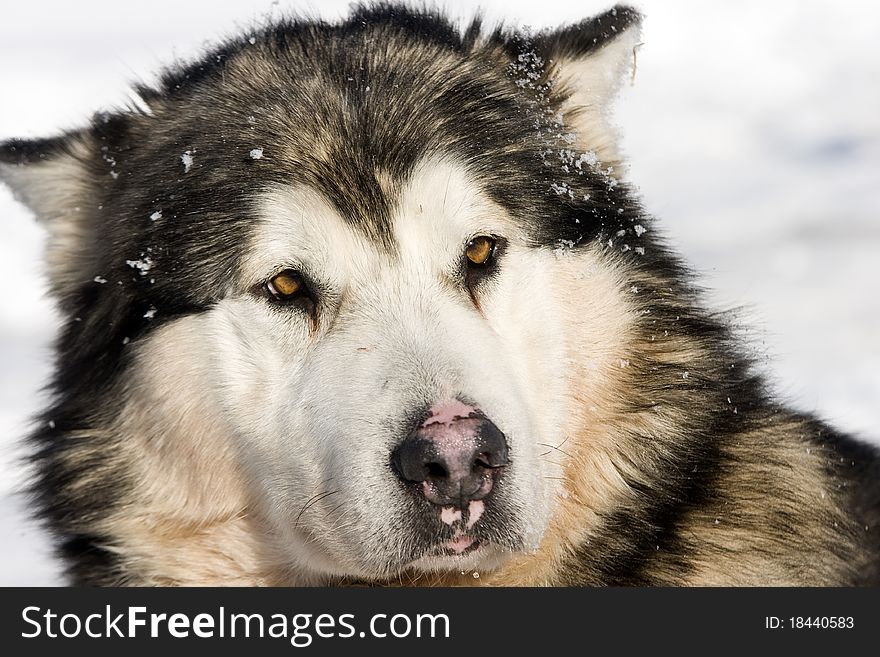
(369, 303)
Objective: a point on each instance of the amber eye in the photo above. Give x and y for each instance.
(479, 250)
(285, 285)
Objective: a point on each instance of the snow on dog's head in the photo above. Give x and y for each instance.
(356, 353)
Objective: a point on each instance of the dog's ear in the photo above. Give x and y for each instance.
(588, 63)
(52, 177)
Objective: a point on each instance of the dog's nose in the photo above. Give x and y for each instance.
(455, 454)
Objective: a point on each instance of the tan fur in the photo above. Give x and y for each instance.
(778, 477)
(585, 447)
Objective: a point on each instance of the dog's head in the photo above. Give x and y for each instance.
(368, 268)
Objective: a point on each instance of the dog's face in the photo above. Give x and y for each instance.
(389, 395)
(370, 306)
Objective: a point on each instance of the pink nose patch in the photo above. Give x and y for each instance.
(448, 412)
(450, 515)
(475, 512)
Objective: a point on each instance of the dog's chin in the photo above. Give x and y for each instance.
(480, 556)
(475, 560)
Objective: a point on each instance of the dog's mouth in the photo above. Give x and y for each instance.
(461, 544)
(476, 537)
(472, 535)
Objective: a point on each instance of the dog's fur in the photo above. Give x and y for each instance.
(201, 433)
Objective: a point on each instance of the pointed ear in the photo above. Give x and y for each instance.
(589, 62)
(46, 175)
(51, 177)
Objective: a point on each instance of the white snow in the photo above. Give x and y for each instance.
(751, 132)
(590, 159)
(256, 154)
(143, 265)
(187, 160)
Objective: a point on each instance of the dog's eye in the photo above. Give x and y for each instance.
(285, 286)
(290, 289)
(480, 250)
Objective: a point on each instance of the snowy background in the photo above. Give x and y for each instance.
(753, 130)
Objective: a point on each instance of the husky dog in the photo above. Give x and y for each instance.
(368, 302)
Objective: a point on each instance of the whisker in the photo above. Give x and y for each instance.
(312, 500)
(558, 449)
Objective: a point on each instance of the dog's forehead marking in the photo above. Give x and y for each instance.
(299, 227)
(436, 210)
(439, 208)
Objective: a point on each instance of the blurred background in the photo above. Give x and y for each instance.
(752, 129)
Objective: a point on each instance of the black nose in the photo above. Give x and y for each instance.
(456, 461)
